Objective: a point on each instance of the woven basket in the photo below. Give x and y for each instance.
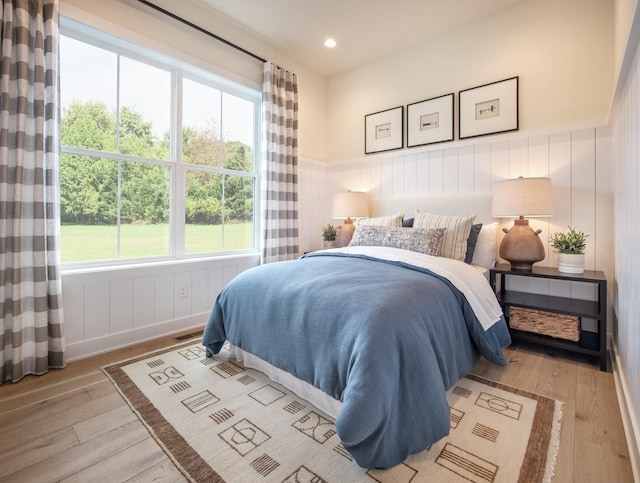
(560, 326)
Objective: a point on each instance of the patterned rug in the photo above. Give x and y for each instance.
(220, 421)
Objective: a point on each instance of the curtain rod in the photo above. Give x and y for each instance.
(200, 29)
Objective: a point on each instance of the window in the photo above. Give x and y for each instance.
(158, 159)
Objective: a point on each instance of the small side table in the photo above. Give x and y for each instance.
(590, 343)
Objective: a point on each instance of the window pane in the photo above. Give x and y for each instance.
(145, 112)
(238, 215)
(203, 212)
(88, 95)
(87, 242)
(88, 208)
(144, 206)
(237, 132)
(200, 124)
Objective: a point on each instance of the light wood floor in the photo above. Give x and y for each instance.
(72, 425)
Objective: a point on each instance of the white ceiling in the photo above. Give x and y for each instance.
(363, 29)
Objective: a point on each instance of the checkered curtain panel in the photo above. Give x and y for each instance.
(279, 202)
(31, 339)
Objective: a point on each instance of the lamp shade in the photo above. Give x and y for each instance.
(352, 204)
(531, 197)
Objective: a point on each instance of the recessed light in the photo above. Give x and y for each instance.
(330, 43)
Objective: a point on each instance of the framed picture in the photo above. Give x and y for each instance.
(430, 121)
(488, 109)
(384, 130)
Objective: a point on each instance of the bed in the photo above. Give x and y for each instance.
(373, 334)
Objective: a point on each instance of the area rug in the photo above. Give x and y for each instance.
(219, 421)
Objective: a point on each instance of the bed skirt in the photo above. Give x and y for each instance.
(315, 396)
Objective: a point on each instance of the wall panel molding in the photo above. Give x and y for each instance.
(577, 160)
(112, 308)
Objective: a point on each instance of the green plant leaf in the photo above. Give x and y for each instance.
(571, 242)
(329, 232)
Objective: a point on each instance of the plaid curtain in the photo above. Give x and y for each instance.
(280, 165)
(31, 338)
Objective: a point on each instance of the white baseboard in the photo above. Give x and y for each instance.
(100, 345)
(629, 418)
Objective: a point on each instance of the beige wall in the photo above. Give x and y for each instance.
(561, 49)
(623, 17)
(142, 25)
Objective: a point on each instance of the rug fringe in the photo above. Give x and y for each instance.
(554, 444)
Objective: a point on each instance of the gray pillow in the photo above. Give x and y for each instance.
(471, 242)
(422, 240)
(408, 223)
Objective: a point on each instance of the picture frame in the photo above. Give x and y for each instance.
(430, 121)
(488, 109)
(384, 130)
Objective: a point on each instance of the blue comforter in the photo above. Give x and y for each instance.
(385, 338)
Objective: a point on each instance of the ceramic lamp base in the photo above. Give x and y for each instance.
(345, 233)
(521, 246)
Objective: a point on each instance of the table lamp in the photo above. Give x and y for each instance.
(522, 197)
(352, 204)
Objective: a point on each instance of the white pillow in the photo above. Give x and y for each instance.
(485, 253)
(391, 220)
(454, 243)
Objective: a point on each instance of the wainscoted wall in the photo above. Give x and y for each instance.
(314, 202)
(578, 162)
(626, 183)
(110, 308)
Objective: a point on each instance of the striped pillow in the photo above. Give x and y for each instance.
(454, 243)
(392, 220)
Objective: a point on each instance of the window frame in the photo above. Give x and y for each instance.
(178, 70)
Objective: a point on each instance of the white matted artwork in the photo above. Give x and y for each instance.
(488, 109)
(384, 130)
(430, 121)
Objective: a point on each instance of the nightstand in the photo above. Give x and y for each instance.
(590, 343)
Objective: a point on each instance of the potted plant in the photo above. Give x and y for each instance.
(570, 246)
(329, 233)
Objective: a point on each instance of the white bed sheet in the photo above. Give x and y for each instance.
(483, 270)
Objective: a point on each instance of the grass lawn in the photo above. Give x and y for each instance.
(98, 242)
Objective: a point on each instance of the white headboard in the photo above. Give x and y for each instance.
(456, 204)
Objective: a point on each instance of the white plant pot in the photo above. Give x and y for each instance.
(570, 263)
(328, 244)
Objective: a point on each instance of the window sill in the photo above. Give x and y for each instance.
(157, 264)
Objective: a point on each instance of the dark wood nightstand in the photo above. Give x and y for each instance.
(590, 343)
